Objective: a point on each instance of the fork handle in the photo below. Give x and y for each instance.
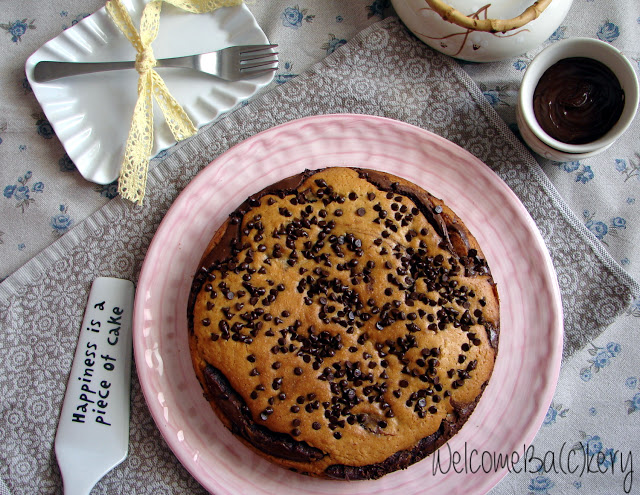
(48, 71)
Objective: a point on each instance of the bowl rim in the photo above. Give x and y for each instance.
(546, 151)
(594, 49)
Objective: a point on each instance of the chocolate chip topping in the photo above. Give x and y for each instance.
(234, 409)
(353, 309)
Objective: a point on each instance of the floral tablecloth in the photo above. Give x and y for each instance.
(597, 404)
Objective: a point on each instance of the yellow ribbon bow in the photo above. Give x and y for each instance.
(133, 175)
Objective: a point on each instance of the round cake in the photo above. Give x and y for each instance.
(343, 323)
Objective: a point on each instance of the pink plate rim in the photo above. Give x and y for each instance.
(517, 398)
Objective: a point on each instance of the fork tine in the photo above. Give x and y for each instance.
(244, 58)
(256, 65)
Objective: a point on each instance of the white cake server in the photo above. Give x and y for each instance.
(93, 430)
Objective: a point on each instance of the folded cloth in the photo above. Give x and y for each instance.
(382, 71)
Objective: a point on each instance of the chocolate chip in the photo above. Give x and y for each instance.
(316, 425)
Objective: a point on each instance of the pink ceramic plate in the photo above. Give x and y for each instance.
(520, 391)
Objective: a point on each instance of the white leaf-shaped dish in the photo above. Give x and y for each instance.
(91, 114)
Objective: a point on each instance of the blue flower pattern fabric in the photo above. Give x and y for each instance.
(61, 221)
(293, 17)
(43, 126)
(629, 168)
(600, 358)
(634, 403)
(287, 73)
(608, 32)
(592, 447)
(18, 29)
(555, 412)
(601, 229)
(540, 485)
(333, 44)
(633, 383)
(65, 164)
(377, 8)
(109, 191)
(22, 192)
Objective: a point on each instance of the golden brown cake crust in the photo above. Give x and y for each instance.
(343, 323)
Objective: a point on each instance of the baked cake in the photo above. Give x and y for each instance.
(343, 323)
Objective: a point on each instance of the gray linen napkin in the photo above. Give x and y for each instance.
(383, 71)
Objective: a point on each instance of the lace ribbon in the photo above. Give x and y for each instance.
(133, 175)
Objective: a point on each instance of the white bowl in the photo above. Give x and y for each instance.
(481, 46)
(530, 129)
(547, 151)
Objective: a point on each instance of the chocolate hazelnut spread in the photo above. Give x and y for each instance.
(578, 100)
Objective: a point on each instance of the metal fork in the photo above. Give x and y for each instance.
(231, 64)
